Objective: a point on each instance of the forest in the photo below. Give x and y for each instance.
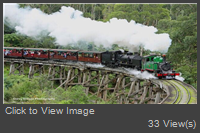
(177, 20)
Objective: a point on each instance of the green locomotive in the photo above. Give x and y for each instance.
(158, 66)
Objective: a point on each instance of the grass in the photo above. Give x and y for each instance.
(192, 93)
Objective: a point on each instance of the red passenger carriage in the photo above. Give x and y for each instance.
(63, 54)
(13, 52)
(89, 56)
(36, 53)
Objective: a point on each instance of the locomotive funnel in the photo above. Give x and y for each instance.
(164, 57)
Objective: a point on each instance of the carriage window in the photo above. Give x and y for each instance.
(86, 55)
(69, 53)
(18, 51)
(79, 54)
(99, 56)
(74, 54)
(147, 59)
(39, 52)
(51, 53)
(54, 53)
(91, 55)
(96, 55)
(43, 52)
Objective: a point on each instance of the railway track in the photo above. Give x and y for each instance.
(179, 93)
(191, 91)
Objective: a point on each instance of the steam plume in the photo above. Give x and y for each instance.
(69, 26)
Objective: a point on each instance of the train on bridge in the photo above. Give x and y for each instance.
(152, 63)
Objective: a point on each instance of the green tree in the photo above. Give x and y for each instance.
(8, 29)
(107, 10)
(47, 42)
(183, 32)
(13, 39)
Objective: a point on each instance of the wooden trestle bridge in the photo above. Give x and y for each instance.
(126, 87)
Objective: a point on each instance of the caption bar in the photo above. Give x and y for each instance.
(48, 110)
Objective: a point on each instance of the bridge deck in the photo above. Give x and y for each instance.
(141, 90)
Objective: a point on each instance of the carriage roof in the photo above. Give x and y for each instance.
(12, 48)
(96, 52)
(64, 50)
(35, 49)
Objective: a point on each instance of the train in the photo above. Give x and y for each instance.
(153, 63)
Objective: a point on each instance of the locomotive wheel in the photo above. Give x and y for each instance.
(158, 72)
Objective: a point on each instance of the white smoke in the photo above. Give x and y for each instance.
(141, 75)
(180, 77)
(95, 65)
(69, 26)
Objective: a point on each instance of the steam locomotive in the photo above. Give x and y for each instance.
(152, 63)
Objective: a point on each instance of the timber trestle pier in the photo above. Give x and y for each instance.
(118, 83)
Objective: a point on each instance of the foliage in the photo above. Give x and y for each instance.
(7, 29)
(13, 39)
(183, 33)
(77, 95)
(38, 90)
(17, 86)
